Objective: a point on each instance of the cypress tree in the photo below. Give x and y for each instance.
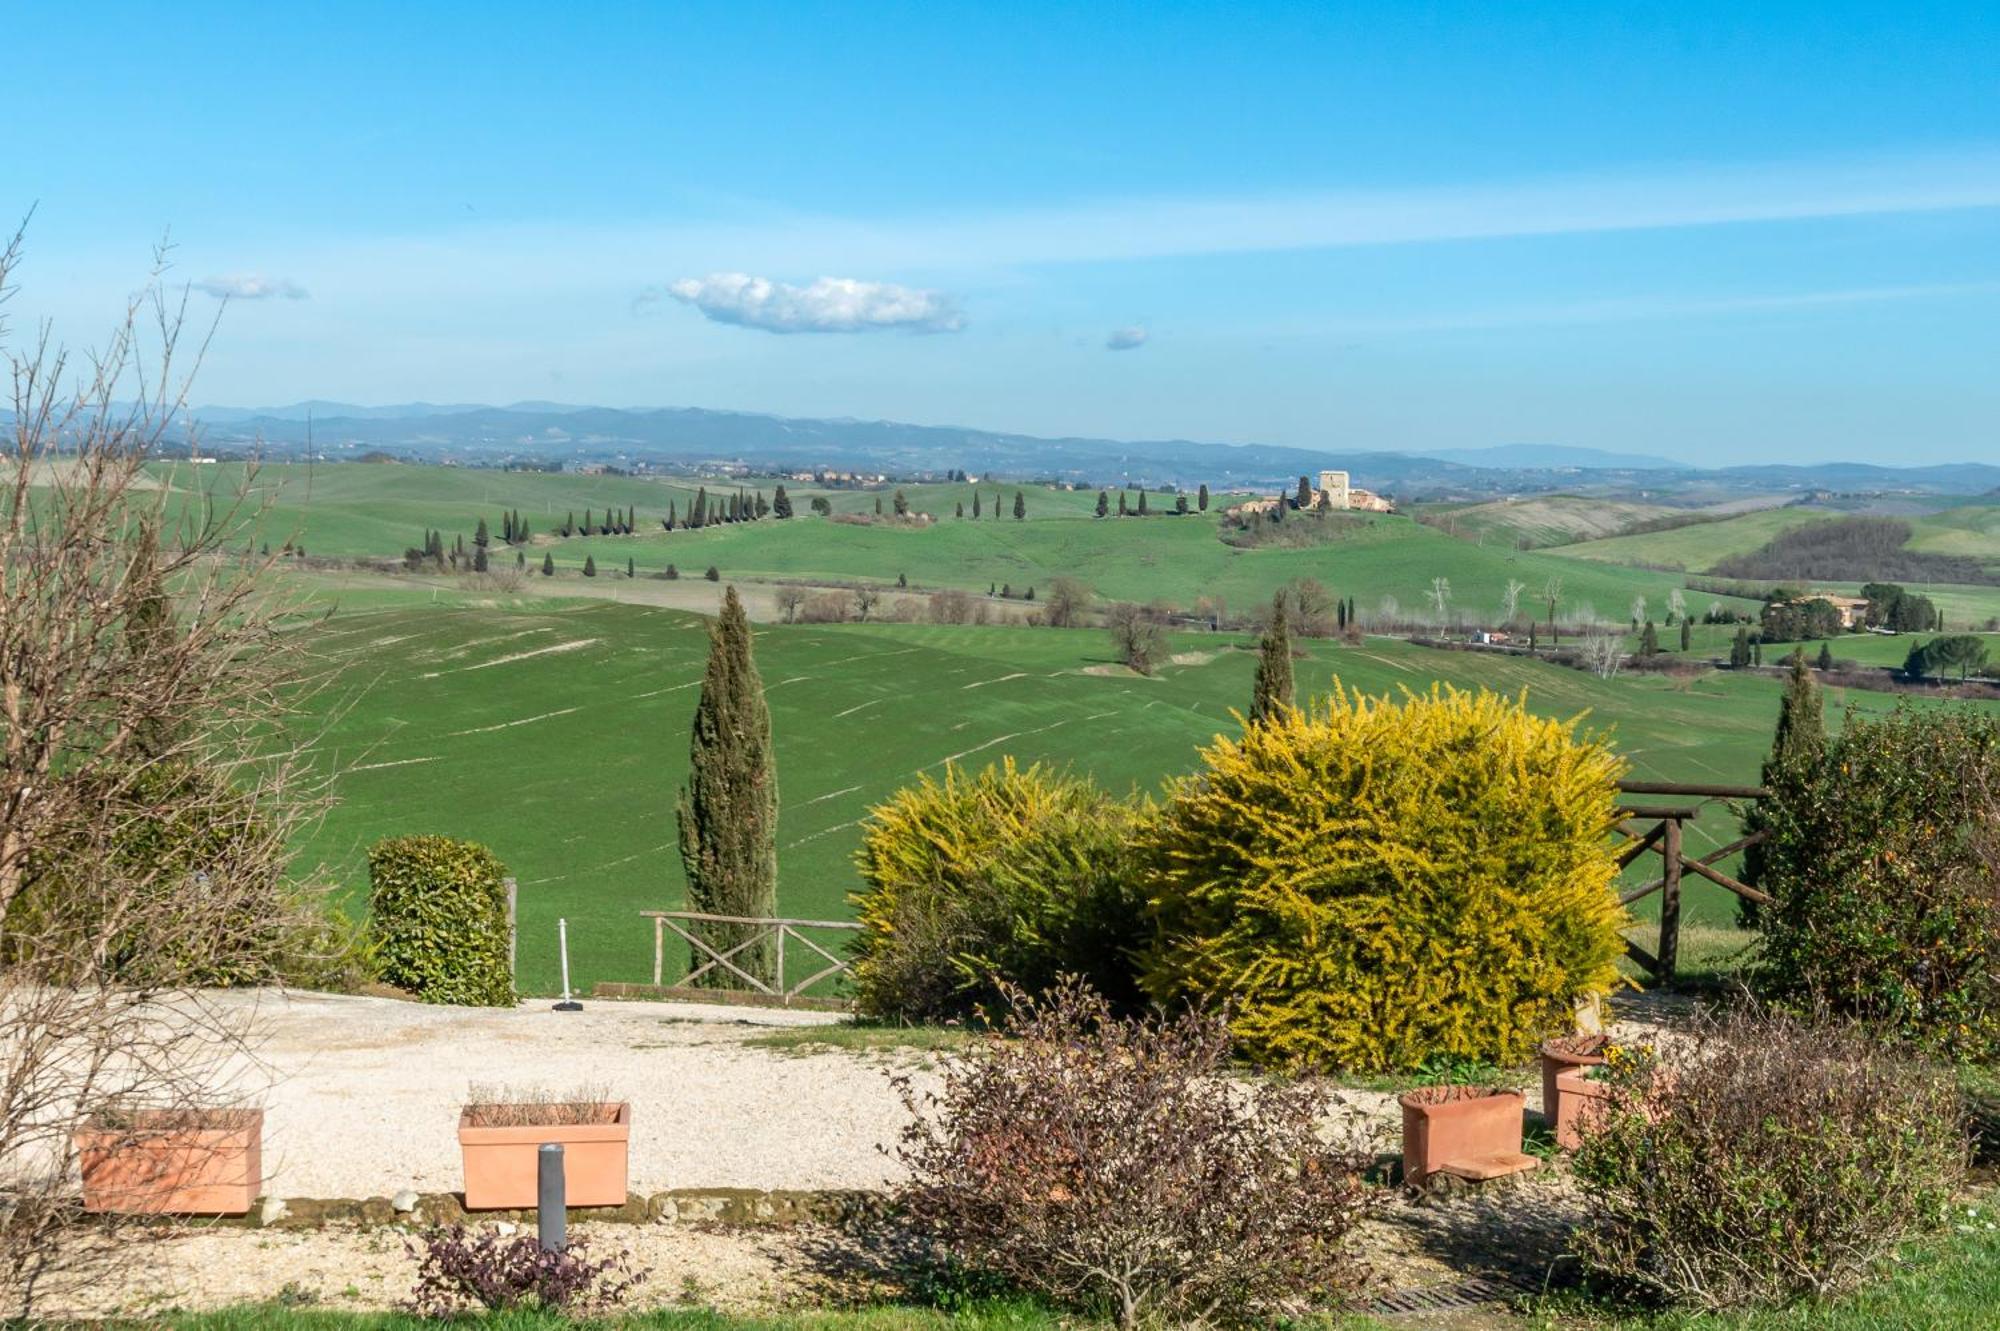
(1142, 503)
(1757, 651)
(763, 505)
(548, 565)
(996, 506)
(1649, 640)
(878, 506)
(1180, 504)
(1687, 636)
(631, 518)
(728, 811)
(1272, 689)
(1103, 503)
(1123, 511)
(631, 567)
(590, 566)
(1739, 650)
(1826, 656)
(478, 559)
(698, 515)
(587, 530)
(1020, 506)
(975, 505)
(961, 508)
(507, 527)
(902, 504)
(1797, 742)
(668, 521)
(1305, 495)
(482, 537)
(781, 504)
(520, 559)
(1201, 498)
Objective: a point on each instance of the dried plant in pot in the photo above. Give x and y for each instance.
(193, 1161)
(1472, 1131)
(1567, 1054)
(500, 1133)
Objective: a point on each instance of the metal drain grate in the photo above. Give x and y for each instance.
(1469, 1293)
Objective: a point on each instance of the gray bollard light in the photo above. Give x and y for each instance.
(551, 1199)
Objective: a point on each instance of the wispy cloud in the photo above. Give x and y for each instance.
(829, 305)
(1126, 339)
(1651, 308)
(251, 286)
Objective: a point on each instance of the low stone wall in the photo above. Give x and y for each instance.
(733, 1207)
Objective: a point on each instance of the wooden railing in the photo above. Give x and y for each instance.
(753, 931)
(1665, 838)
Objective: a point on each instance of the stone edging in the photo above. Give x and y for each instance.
(742, 1207)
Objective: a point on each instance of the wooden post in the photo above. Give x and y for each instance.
(1670, 900)
(787, 993)
(513, 936)
(659, 949)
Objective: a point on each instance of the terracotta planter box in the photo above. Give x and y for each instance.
(502, 1170)
(174, 1162)
(1582, 1100)
(1470, 1131)
(1572, 1054)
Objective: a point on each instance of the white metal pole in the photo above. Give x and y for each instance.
(568, 1004)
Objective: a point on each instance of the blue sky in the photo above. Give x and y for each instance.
(1716, 232)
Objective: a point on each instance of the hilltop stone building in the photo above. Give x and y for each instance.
(1335, 491)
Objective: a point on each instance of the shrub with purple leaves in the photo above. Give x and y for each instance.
(459, 1270)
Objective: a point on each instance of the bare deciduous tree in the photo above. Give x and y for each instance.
(1604, 653)
(1065, 604)
(147, 790)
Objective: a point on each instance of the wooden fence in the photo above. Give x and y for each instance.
(1665, 837)
(704, 957)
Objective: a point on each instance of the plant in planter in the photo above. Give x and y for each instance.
(1473, 1132)
(195, 1161)
(1564, 1055)
(500, 1133)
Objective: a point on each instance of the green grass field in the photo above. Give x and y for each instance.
(1542, 520)
(357, 509)
(556, 732)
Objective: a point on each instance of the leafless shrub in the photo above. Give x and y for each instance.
(147, 795)
(1765, 1160)
(1137, 633)
(951, 606)
(827, 608)
(1113, 1167)
(1066, 603)
(791, 598)
(538, 1106)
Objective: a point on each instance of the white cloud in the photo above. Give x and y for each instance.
(251, 286)
(1126, 339)
(829, 305)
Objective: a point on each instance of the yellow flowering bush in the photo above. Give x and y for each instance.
(1370, 884)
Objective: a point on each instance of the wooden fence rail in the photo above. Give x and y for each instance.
(756, 930)
(1665, 839)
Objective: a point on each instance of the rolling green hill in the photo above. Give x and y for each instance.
(1695, 548)
(557, 734)
(1542, 520)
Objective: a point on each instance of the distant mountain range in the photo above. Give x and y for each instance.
(548, 432)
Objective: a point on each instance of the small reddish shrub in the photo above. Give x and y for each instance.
(1764, 1161)
(1113, 1167)
(458, 1271)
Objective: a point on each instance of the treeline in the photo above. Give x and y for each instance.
(1851, 550)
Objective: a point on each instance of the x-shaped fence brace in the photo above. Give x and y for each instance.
(685, 924)
(1664, 839)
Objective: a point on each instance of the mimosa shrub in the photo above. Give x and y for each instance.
(1369, 884)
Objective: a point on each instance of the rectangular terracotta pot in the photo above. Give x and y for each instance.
(502, 1171)
(1458, 1125)
(163, 1164)
(1578, 1099)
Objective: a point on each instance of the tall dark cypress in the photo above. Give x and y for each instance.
(1271, 693)
(728, 811)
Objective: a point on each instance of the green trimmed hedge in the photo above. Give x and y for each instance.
(440, 917)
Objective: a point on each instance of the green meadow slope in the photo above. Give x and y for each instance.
(557, 734)
(1382, 561)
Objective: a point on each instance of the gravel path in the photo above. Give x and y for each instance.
(361, 1095)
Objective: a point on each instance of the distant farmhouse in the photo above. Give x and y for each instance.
(1335, 491)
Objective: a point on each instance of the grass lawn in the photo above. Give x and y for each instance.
(556, 732)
